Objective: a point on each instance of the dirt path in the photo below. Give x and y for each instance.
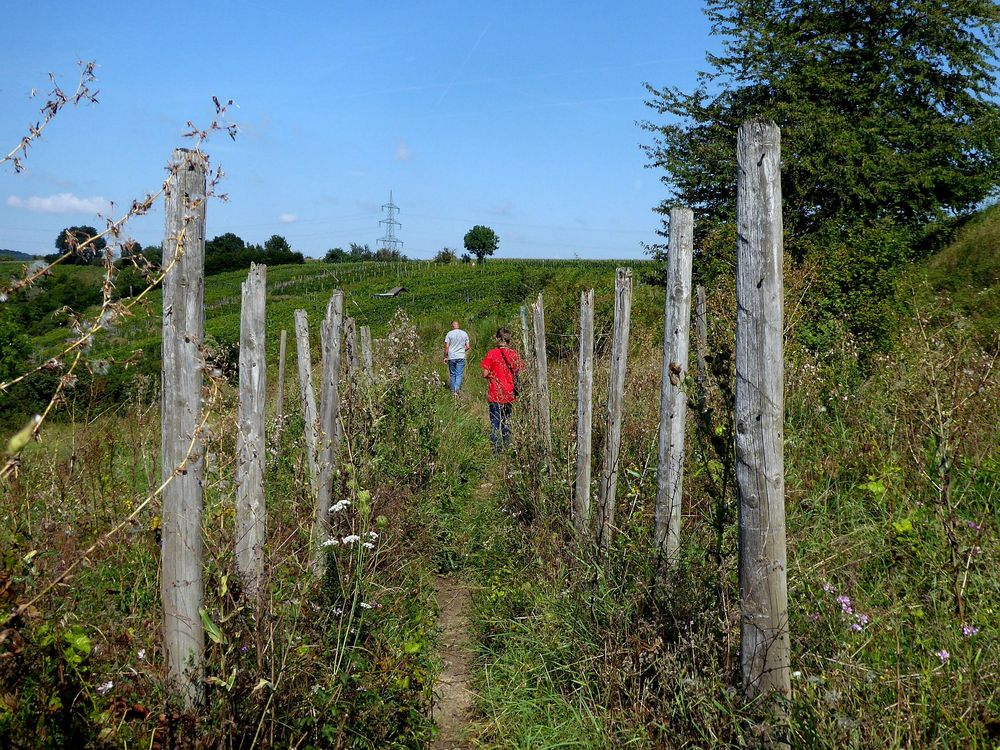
(453, 697)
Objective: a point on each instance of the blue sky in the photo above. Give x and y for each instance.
(520, 115)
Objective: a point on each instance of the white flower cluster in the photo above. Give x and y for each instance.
(339, 506)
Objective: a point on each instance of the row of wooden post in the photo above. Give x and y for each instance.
(759, 404)
(759, 411)
(182, 421)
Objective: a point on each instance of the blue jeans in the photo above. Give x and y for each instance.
(456, 367)
(500, 424)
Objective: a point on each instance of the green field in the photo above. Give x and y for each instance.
(892, 478)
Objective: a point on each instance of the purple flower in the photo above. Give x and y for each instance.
(828, 588)
(862, 619)
(856, 627)
(845, 603)
(973, 525)
(943, 655)
(969, 630)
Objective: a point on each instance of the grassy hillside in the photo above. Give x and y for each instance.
(892, 481)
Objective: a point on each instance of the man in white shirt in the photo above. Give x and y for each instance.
(456, 344)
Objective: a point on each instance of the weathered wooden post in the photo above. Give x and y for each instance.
(306, 395)
(351, 349)
(584, 416)
(329, 431)
(525, 335)
(366, 352)
(616, 399)
(760, 410)
(542, 380)
(250, 447)
(279, 410)
(701, 338)
(181, 588)
(673, 396)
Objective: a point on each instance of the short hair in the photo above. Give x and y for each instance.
(503, 335)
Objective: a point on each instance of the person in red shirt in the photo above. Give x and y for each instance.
(500, 367)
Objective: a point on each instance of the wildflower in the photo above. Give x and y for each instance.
(845, 604)
(351, 539)
(973, 525)
(796, 674)
(365, 605)
(330, 543)
(943, 655)
(372, 535)
(339, 506)
(969, 630)
(369, 545)
(105, 687)
(141, 654)
(828, 588)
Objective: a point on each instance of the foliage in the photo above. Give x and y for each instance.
(481, 241)
(889, 120)
(72, 238)
(336, 255)
(446, 255)
(228, 252)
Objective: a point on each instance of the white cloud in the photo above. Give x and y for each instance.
(60, 203)
(403, 152)
(288, 218)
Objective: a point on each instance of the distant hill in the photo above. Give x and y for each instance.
(16, 255)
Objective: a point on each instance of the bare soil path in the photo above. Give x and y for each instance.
(453, 697)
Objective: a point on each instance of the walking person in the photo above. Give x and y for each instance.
(456, 344)
(500, 367)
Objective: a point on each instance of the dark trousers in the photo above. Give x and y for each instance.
(500, 424)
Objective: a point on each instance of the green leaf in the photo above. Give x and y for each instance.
(213, 630)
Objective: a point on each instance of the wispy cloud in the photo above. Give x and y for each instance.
(403, 151)
(60, 203)
(287, 218)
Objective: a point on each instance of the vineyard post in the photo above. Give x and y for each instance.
(280, 408)
(306, 395)
(181, 587)
(584, 416)
(525, 336)
(366, 352)
(351, 349)
(616, 398)
(701, 338)
(759, 412)
(542, 380)
(329, 431)
(673, 395)
(250, 448)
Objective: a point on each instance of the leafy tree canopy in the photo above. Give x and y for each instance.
(481, 241)
(225, 243)
(887, 108)
(72, 238)
(336, 255)
(446, 255)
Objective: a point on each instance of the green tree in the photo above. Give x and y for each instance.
(336, 255)
(360, 252)
(277, 245)
(481, 241)
(887, 108)
(72, 238)
(446, 255)
(889, 120)
(225, 243)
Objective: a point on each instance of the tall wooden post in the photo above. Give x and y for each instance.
(366, 352)
(329, 431)
(701, 338)
(525, 335)
(351, 349)
(307, 396)
(616, 399)
(181, 588)
(673, 396)
(584, 416)
(250, 447)
(542, 379)
(760, 411)
(279, 410)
